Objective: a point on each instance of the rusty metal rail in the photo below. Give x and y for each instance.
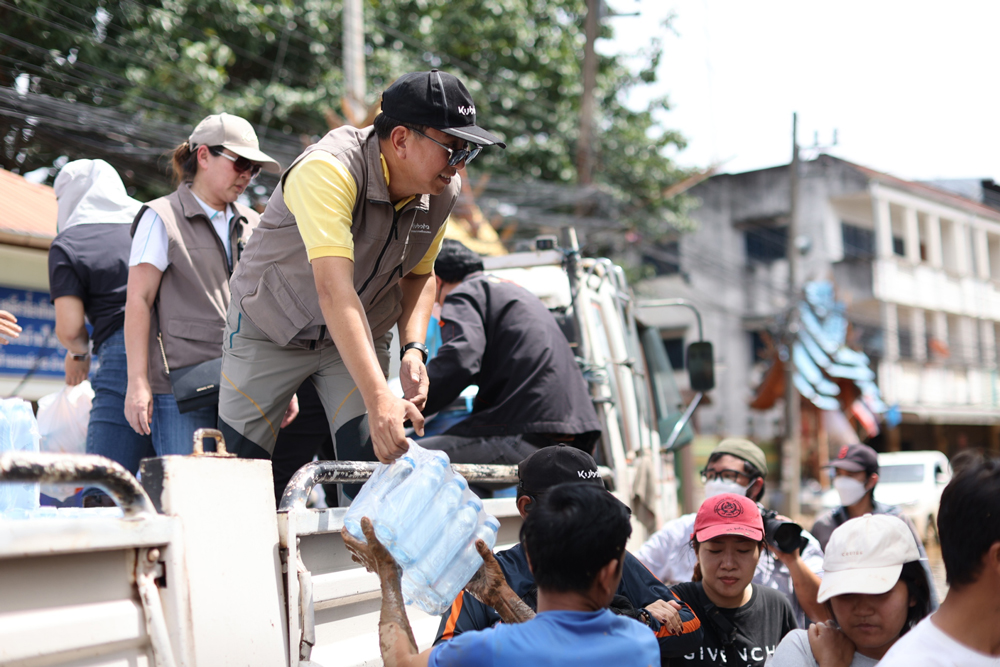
(93, 470)
(358, 472)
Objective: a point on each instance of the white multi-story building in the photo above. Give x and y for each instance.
(917, 266)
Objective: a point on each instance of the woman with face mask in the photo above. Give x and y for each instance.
(876, 591)
(743, 622)
(184, 249)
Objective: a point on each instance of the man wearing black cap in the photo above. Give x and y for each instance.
(639, 595)
(855, 476)
(344, 252)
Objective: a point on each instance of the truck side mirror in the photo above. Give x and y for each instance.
(701, 366)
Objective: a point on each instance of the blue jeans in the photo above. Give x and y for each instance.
(172, 431)
(109, 433)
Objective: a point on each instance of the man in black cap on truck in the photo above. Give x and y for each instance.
(640, 595)
(345, 251)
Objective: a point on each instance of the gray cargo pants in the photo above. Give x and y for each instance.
(260, 377)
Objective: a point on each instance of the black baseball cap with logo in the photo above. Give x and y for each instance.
(856, 458)
(556, 464)
(439, 100)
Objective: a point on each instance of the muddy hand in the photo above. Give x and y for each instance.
(486, 582)
(375, 557)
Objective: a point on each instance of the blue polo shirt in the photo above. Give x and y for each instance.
(554, 638)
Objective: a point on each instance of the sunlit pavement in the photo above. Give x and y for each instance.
(937, 569)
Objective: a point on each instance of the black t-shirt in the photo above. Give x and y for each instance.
(759, 626)
(91, 262)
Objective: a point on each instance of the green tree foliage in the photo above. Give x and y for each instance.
(278, 63)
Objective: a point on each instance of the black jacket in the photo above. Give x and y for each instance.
(638, 585)
(501, 337)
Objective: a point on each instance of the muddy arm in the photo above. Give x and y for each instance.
(490, 587)
(396, 642)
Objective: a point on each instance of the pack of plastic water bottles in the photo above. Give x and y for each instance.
(18, 432)
(429, 520)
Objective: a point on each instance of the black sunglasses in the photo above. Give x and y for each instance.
(455, 157)
(240, 163)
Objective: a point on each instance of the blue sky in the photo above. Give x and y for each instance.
(911, 87)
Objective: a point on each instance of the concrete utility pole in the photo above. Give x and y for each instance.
(354, 59)
(791, 457)
(584, 150)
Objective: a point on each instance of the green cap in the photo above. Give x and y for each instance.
(743, 449)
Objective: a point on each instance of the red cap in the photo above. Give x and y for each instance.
(728, 514)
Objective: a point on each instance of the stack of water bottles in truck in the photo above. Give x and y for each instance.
(429, 520)
(18, 433)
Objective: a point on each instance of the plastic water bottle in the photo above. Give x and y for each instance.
(461, 568)
(456, 535)
(18, 432)
(407, 501)
(412, 544)
(373, 493)
(422, 596)
(6, 488)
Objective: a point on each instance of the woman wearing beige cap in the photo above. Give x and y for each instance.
(876, 590)
(184, 248)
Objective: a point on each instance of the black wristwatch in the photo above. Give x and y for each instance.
(414, 346)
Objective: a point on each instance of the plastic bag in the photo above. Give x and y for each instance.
(62, 425)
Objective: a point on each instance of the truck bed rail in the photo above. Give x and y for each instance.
(92, 470)
(358, 472)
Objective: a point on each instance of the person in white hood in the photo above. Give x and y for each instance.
(739, 466)
(88, 274)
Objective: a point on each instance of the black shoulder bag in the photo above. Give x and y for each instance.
(195, 386)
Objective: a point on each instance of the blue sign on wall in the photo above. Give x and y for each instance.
(36, 350)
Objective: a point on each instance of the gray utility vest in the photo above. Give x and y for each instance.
(191, 304)
(274, 285)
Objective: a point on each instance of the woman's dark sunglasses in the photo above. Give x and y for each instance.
(240, 164)
(455, 157)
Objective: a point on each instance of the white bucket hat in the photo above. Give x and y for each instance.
(866, 555)
(234, 133)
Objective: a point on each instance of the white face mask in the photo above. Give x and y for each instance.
(850, 490)
(714, 487)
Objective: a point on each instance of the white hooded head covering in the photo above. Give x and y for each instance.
(91, 191)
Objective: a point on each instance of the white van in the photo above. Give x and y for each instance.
(914, 481)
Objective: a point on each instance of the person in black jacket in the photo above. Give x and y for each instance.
(88, 274)
(500, 336)
(640, 595)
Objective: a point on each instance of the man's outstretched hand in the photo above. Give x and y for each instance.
(488, 580)
(489, 586)
(375, 557)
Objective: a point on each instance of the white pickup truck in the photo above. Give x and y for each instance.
(204, 571)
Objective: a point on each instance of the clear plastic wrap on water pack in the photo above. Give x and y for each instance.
(18, 432)
(429, 520)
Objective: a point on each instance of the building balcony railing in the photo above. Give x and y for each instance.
(925, 387)
(922, 286)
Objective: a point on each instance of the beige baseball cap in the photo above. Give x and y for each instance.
(743, 449)
(234, 133)
(866, 555)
